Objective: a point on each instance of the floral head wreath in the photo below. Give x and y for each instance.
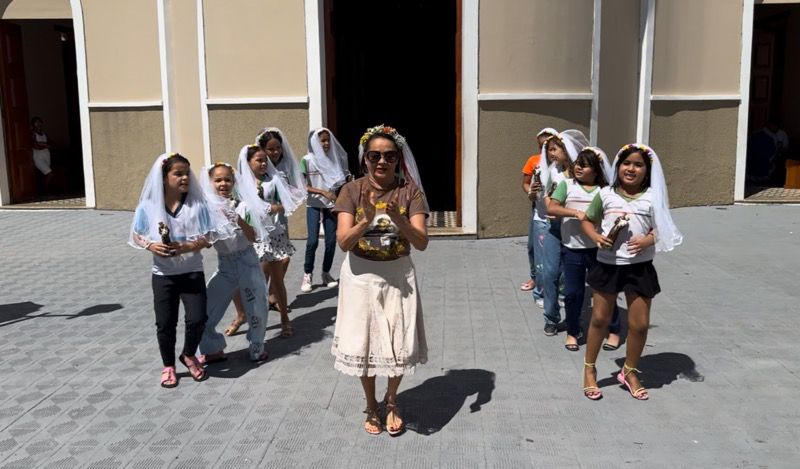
(218, 164)
(547, 131)
(594, 150)
(382, 129)
(171, 155)
(639, 147)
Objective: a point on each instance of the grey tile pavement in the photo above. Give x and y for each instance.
(79, 364)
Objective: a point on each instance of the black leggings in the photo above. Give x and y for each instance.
(168, 290)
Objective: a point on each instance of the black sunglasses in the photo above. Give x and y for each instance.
(390, 156)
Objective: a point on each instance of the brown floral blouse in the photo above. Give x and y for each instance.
(383, 241)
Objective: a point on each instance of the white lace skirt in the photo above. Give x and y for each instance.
(379, 326)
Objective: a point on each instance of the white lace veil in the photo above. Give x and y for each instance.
(574, 141)
(288, 164)
(408, 166)
(667, 234)
(290, 197)
(547, 131)
(331, 165)
(608, 169)
(256, 208)
(201, 220)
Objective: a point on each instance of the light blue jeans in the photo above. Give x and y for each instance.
(536, 235)
(551, 271)
(238, 270)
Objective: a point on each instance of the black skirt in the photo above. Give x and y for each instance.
(640, 278)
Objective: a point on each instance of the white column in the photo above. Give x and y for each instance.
(315, 61)
(744, 102)
(469, 115)
(646, 71)
(83, 102)
(596, 36)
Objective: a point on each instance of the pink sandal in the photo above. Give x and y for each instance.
(639, 393)
(195, 369)
(168, 378)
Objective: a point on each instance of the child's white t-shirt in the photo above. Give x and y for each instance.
(540, 209)
(571, 194)
(175, 265)
(238, 241)
(607, 205)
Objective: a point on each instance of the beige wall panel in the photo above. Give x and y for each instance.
(35, 9)
(619, 74)
(697, 47)
(186, 117)
(535, 46)
(696, 142)
(44, 78)
(232, 127)
(124, 145)
(507, 137)
(238, 32)
(122, 50)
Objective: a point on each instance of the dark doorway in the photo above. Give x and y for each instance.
(39, 79)
(773, 122)
(395, 63)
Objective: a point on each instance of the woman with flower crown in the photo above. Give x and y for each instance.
(379, 326)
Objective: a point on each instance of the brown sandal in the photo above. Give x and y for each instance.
(391, 408)
(234, 327)
(286, 330)
(373, 424)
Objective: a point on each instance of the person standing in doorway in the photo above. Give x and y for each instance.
(41, 152)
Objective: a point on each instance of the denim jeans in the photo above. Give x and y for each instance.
(551, 272)
(237, 270)
(576, 263)
(313, 215)
(539, 229)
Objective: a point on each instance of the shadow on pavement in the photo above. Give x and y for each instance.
(308, 329)
(660, 370)
(429, 407)
(18, 312)
(307, 300)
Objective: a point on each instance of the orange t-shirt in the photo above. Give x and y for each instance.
(532, 162)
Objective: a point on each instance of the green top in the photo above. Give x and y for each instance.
(595, 210)
(560, 194)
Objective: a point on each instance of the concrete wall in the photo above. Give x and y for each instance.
(122, 50)
(232, 127)
(535, 46)
(255, 48)
(507, 137)
(125, 143)
(619, 74)
(35, 9)
(697, 47)
(696, 142)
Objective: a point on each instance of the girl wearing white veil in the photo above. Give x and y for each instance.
(260, 179)
(634, 217)
(173, 221)
(561, 151)
(238, 269)
(325, 171)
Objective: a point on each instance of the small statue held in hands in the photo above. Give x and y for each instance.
(163, 231)
(620, 223)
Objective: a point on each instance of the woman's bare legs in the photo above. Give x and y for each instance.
(393, 421)
(602, 309)
(638, 324)
(277, 272)
(372, 424)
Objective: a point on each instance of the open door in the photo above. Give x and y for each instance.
(16, 128)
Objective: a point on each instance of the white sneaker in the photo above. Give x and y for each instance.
(306, 285)
(329, 280)
(540, 302)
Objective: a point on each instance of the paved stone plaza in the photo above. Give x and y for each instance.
(79, 365)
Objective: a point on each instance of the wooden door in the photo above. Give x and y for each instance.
(16, 128)
(761, 79)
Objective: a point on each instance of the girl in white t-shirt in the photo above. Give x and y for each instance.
(239, 271)
(174, 222)
(638, 199)
(578, 252)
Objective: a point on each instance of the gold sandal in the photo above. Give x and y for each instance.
(592, 392)
(234, 327)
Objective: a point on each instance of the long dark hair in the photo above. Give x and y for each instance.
(588, 158)
(166, 167)
(372, 137)
(268, 135)
(624, 154)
